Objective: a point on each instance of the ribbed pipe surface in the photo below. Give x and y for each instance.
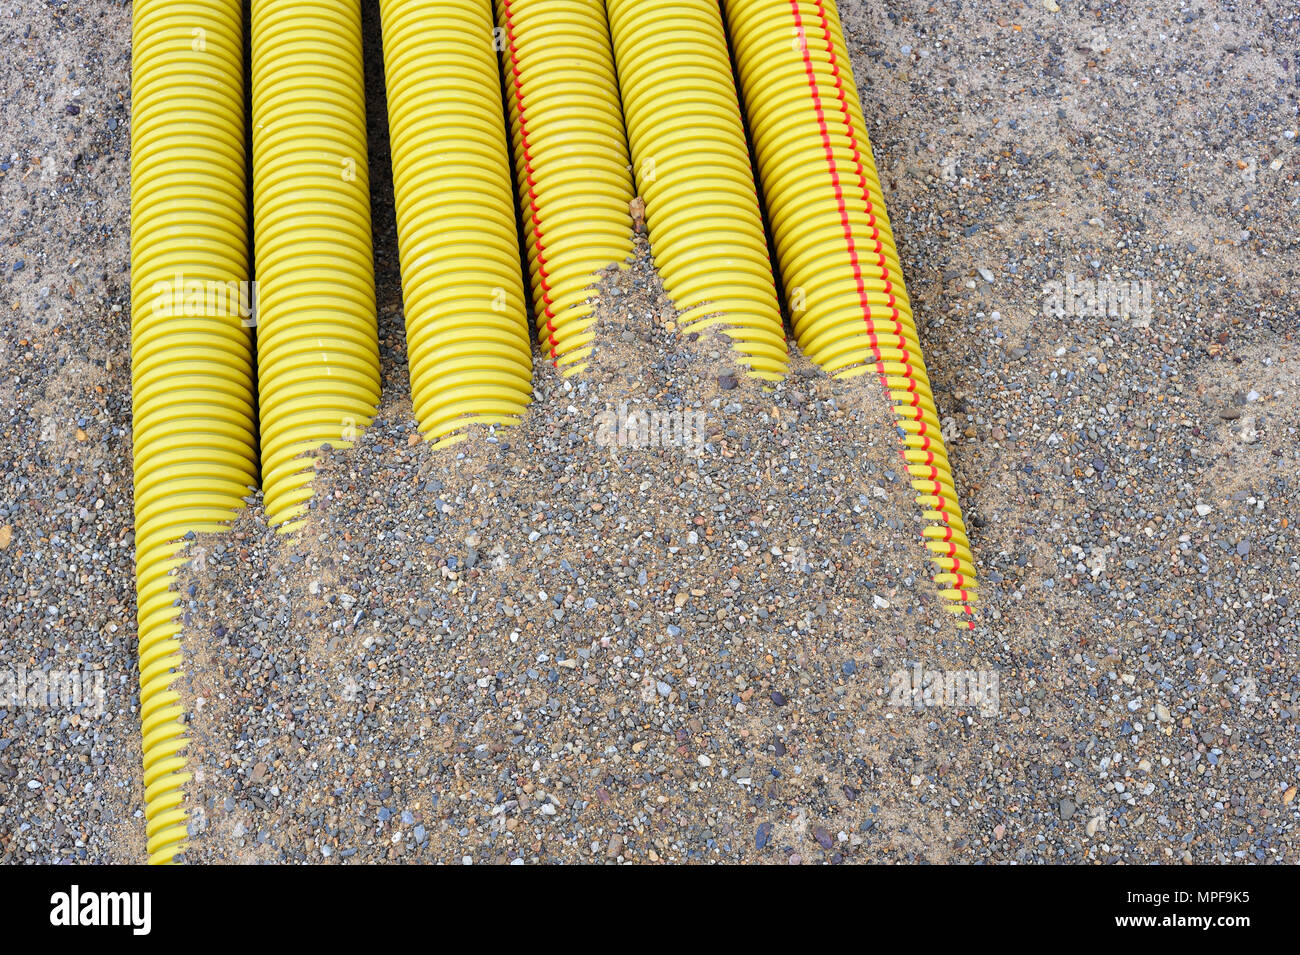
(693, 172)
(193, 413)
(467, 335)
(571, 164)
(317, 341)
(838, 261)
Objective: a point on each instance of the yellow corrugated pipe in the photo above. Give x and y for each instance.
(317, 341)
(839, 265)
(193, 413)
(693, 172)
(468, 342)
(571, 167)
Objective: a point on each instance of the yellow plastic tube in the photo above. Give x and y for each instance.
(839, 265)
(468, 341)
(193, 412)
(571, 164)
(693, 172)
(317, 341)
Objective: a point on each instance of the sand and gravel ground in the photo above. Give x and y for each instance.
(533, 647)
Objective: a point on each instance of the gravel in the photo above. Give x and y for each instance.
(393, 684)
(69, 775)
(649, 654)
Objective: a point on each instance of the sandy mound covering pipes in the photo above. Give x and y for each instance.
(580, 638)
